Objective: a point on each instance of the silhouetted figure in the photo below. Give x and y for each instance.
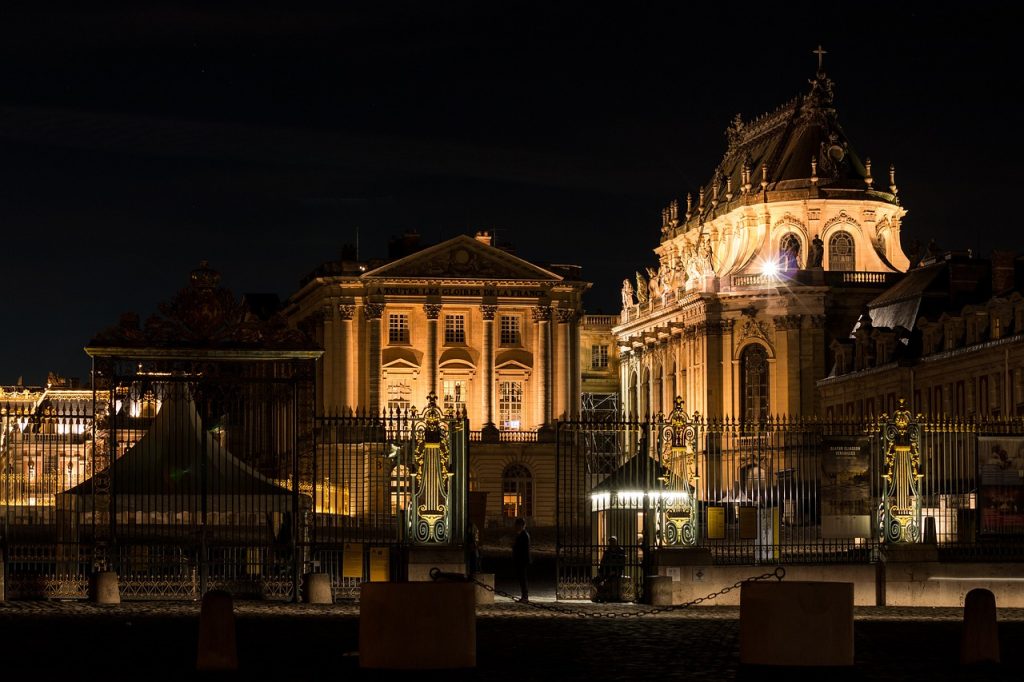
(609, 573)
(521, 558)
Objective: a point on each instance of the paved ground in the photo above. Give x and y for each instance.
(64, 640)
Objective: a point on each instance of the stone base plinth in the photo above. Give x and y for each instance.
(316, 588)
(104, 588)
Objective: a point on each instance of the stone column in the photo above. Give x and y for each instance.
(563, 365)
(349, 375)
(489, 431)
(542, 318)
(373, 312)
(433, 311)
(329, 361)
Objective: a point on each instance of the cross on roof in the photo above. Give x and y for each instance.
(821, 54)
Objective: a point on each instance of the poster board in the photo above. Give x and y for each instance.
(846, 507)
(1001, 485)
(352, 561)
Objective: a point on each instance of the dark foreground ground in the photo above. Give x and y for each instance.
(157, 640)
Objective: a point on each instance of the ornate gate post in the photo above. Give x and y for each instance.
(678, 508)
(436, 487)
(899, 518)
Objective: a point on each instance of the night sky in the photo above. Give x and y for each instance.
(135, 142)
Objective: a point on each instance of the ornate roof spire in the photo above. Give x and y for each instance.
(868, 180)
(728, 188)
(689, 205)
(764, 176)
(715, 188)
(892, 179)
(700, 201)
(814, 171)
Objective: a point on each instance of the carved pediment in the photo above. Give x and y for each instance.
(463, 258)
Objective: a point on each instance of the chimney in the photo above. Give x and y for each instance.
(484, 236)
(1003, 271)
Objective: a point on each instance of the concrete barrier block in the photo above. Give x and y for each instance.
(796, 623)
(217, 649)
(316, 588)
(417, 625)
(104, 588)
(979, 641)
(658, 590)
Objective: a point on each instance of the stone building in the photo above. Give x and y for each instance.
(486, 331)
(599, 356)
(949, 338)
(775, 256)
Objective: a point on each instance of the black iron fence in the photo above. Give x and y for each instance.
(779, 491)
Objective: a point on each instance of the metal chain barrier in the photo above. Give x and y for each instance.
(779, 573)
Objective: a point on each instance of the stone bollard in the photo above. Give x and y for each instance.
(316, 588)
(979, 642)
(103, 588)
(217, 649)
(658, 590)
(483, 595)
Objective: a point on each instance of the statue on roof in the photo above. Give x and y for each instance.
(627, 295)
(816, 253)
(654, 289)
(641, 289)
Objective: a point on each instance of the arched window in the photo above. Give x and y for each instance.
(516, 492)
(754, 368)
(789, 252)
(659, 386)
(841, 253)
(672, 389)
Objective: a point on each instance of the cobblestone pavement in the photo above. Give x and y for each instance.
(515, 642)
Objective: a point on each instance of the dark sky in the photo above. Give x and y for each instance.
(135, 142)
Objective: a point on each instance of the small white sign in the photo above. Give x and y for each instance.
(699, 573)
(673, 572)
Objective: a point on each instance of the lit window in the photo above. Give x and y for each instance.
(841, 253)
(516, 492)
(398, 328)
(510, 330)
(398, 393)
(401, 488)
(789, 252)
(455, 329)
(599, 357)
(454, 395)
(510, 405)
(754, 366)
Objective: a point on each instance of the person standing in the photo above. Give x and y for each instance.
(521, 558)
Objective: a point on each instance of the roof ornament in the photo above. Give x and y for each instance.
(746, 175)
(673, 212)
(716, 186)
(814, 171)
(868, 180)
(700, 201)
(728, 188)
(689, 205)
(821, 58)
(892, 179)
(764, 176)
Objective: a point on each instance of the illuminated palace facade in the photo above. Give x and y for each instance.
(772, 259)
(487, 332)
(483, 329)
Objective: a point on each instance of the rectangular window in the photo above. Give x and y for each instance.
(599, 357)
(455, 329)
(510, 330)
(399, 392)
(398, 328)
(510, 405)
(454, 395)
